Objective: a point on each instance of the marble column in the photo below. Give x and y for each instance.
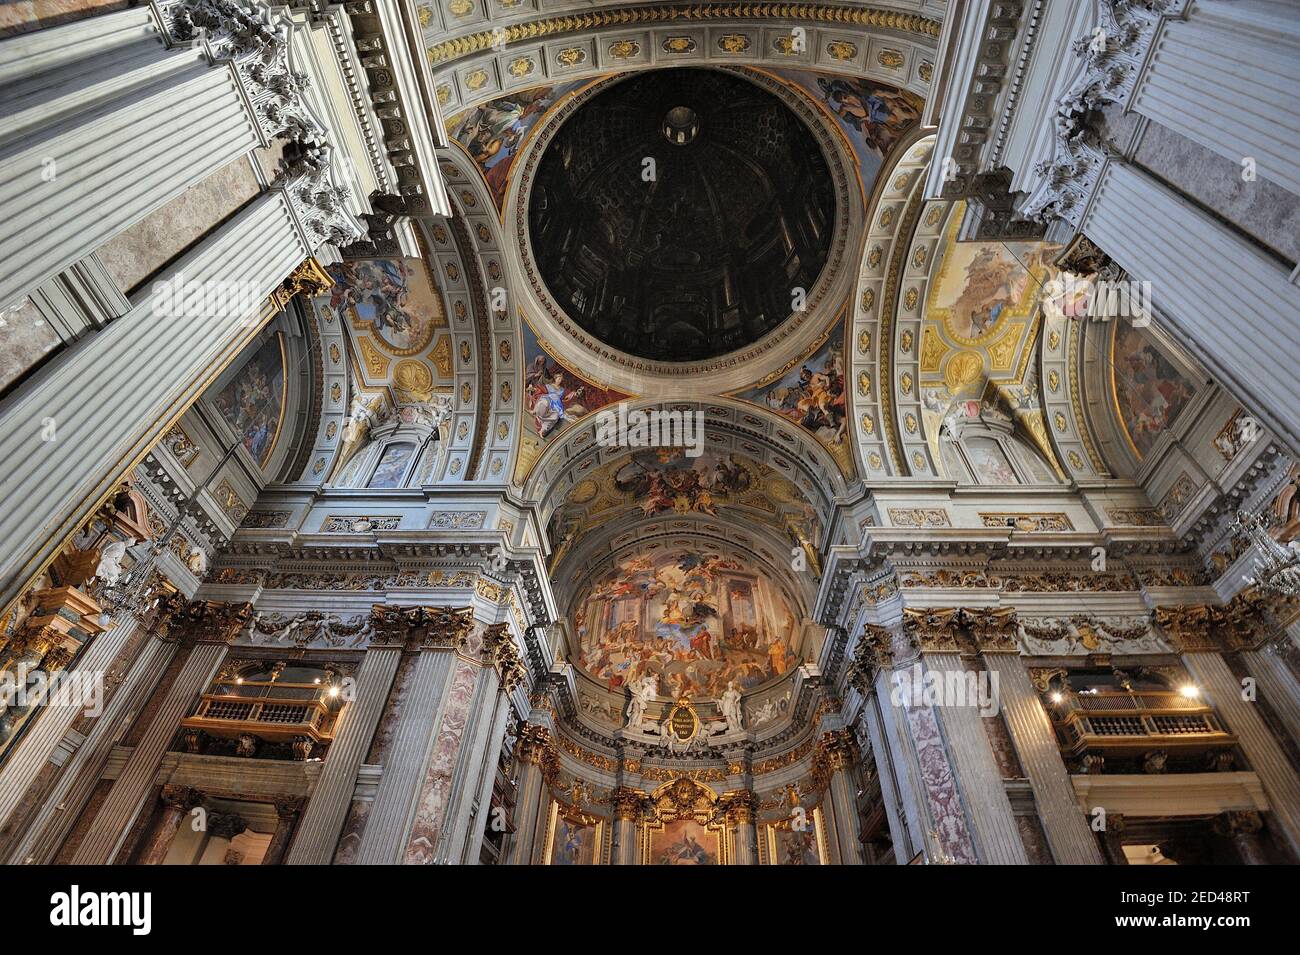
(287, 814)
(480, 746)
(206, 627)
(178, 802)
(833, 761)
(31, 752)
(536, 759)
(59, 806)
(997, 837)
(416, 727)
(1276, 684)
(1224, 692)
(742, 813)
(318, 832)
(104, 121)
(627, 818)
(1068, 833)
(1226, 53)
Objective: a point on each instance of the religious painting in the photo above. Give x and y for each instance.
(981, 284)
(989, 462)
(873, 116)
(666, 479)
(393, 299)
(695, 620)
(787, 843)
(492, 132)
(392, 465)
(1149, 389)
(812, 393)
(795, 847)
(554, 397)
(574, 839)
(252, 402)
(683, 842)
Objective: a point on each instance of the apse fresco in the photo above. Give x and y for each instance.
(812, 393)
(874, 117)
(665, 479)
(695, 619)
(1149, 390)
(394, 299)
(493, 132)
(575, 844)
(253, 401)
(683, 842)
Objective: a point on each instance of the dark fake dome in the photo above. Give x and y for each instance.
(675, 216)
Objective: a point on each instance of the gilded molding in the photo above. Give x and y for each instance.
(630, 16)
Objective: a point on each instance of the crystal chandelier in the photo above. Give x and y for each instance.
(1277, 566)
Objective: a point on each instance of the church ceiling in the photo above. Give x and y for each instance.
(681, 214)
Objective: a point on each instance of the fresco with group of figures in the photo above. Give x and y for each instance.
(694, 619)
(252, 402)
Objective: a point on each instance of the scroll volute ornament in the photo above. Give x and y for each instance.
(933, 631)
(874, 652)
(416, 627)
(993, 630)
(501, 652)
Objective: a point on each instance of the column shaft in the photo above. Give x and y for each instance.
(1278, 687)
(49, 726)
(1261, 748)
(417, 726)
(115, 818)
(319, 830)
(103, 124)
(996, 834)
(1066, 828)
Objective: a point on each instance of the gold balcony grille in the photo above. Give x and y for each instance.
(1122, 723)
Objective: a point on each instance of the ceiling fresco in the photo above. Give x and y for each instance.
(979, 335)
(692, 618)
(680, 215)
(492, 133)
(665, 481)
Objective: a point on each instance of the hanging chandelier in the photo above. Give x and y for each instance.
(1277, 566)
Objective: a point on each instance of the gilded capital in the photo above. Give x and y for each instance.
(502, 653)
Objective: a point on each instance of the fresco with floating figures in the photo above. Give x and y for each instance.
(493, 132)
(253, 401)
(694, 619)
(1149, 389)
(554, 397)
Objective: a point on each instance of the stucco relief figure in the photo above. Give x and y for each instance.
(643, 691)
(109, 568)
(730, 706)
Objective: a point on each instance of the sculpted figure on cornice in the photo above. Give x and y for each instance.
(310, 629)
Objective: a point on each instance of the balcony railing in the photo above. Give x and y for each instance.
(1120, 723)
(274, 712)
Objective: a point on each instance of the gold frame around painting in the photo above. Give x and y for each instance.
(573, 815)
(769, 845)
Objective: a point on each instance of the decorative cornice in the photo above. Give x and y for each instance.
(695, 13)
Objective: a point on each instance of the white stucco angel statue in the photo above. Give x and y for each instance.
(643, 691)
(730, 706)
(109, 568)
